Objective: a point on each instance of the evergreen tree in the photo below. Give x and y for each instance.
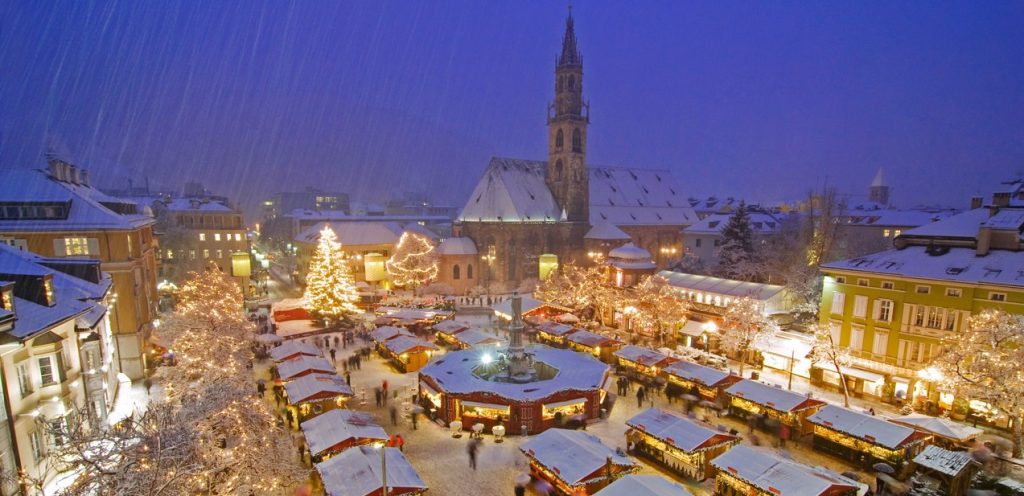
(736, 255)
(330, 287)
(414, 262)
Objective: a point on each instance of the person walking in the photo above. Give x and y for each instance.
(348, 378)
(394, 414)
(385, 388)
(640, 395)
(401, 442)
(376, 396)
(413, 416)
(333, 355)
(471, 449)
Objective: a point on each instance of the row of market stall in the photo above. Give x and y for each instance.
(563, 335)
(348, 447)
(406, 351)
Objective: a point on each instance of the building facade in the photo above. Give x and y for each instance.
(197, 231)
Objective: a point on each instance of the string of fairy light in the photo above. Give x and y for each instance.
(414, 262)
(331, 291)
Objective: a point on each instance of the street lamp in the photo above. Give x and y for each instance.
(708, 327)
(383, 468)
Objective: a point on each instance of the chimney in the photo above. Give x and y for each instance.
(976, 202)
(57, 167)
(984, 241)
(71, 173)
(83, 175)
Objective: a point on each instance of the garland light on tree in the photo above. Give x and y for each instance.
(743, 325)
(330, 287)
(828, 352)
(414, 262)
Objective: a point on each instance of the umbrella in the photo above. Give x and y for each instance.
(884, 468)
(417, 409)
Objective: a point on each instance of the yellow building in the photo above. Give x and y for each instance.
(56, 213)
(197, 231)
(892, 309)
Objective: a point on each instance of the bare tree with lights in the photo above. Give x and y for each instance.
(658, 306)
(827, 351)
(331, 291)
(584, 290)
(743, 324)
(983, 362)
(415, 261)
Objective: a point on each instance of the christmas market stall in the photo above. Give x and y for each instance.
(447, 329)
(293, 349)
(554, 333)
(303, 365)
(865, 438)
(946, 472)
(381, 335)
(752, 399)
(749, 471)
(532, 309)
(574, 461)
(475, 337)
(676, 443)
(314, 394)
(408, 353)
(360, 471)
(643, 485)
(707, 382)
(411, 317)
(602, 347)
(948, 433)
(642, 363)
(339, 430)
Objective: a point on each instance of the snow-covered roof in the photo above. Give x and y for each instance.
(404, 344)
(415, 227)
(574, 455)
(89, 319)
(893, 218)
(629, 251)
(316, 386)
(385, 333)
(457, 246)
(677, 431)
(357, 472)
(450, 326)
(769, 473)
(606, 231)
(303, 365)
(641, 355)
(504, 308)
(959, 264)
(760, 223)
(719, 286)
(413, 313)
(514, 190)
(334, 427)
(870, 428)
(87, 208)
(699, 373)
(643, 485)
(879, 180)
(962, 225)
(942, 427)
(556, 329)
(1006, 219)
(771, 396)
(453, 372)
(196, 205)
(944, 461)
(354, 233)
(292, 348)
(475, 337)
(587, 338)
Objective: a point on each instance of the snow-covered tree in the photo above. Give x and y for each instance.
(736, 255)
(827, 352)
(825, 238)
(331, 291)
(743, 324)
(983, 362)
(211, 299)
(658, 306)
(584, 290)
(414, 262)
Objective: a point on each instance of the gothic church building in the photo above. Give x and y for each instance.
(523, 209)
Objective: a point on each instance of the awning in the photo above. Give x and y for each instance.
(492, 406)
(693, 328)
(862, 374)
(429, 389)
(559, 404)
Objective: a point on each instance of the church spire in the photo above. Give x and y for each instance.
(570, 54)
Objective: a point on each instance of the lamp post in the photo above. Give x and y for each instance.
(383, 469)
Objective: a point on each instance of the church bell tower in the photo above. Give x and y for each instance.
(568, 117)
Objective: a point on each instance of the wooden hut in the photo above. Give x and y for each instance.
(339, 430)
(358, 472)
(948, 433)
(643, 485)
(470, 338)
(951, 471)
(447, 329)
(573, 461)
(676, 443)
(408, 353)
(708, 382)
(752, 398)
(293, 349)
(554, 333)
(314, 394)
(756, 472)
(642, 363)
(382, 334)
(602, 347)
(303, 365)
(865, 438)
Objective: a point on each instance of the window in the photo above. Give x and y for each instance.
(220, 253)
(935, 317)
(885, 233)
(954, 292)
(46, 371)
(238, 236)
(883, 310)
(48, 292)
(836, 332)
(997, 296)
(202, 236)
(206, 253)
(192, 254)
(469, 271)
(840, 279)
(37, 445)
(24, 380)
(572, 82)
(856, 338)
(860, 306)
(77, 247)
(838, 301)
(896, 232)
(718, 243)
(697, 242)
(216, 236)
(922, 289)
(57, 431)
(881, 344)
(862, 282)
(455, 272)
(559, 140)
(170, 254)
(888, 285)
(577, 140)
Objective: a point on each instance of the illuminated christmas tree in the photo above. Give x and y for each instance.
(414, 262)
(330, 287)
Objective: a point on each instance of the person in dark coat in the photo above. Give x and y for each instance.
(640, 395)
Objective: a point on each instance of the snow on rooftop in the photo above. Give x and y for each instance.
(680, 432)
(943, 427)
(944, 461)
(574, 455)
(641, 355)
(770, 473)
(504, 308)
(962, 225)
(382, 334)
(904, 219)
(556, 329)
(629, 251)
(357, 472)
(870, 428)
(450, 326)
(606, 231)
(197, 205)
(292, 348)
(512, 190)
(312, 386)
(698, 373)
(771, 396)
(290, 369)
(476, 337)
(405, 344)
(760, 223)
(587, 338)
(453, 372)
(719, 286)
(354, 233)
(457, 246)
(643, 485)
(335, 427)
(959, 264)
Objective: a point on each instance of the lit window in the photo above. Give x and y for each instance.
(170, 254)
(954, 292)
(76, 246)
(48, 290)
(896, 232)
(46, 375)
(216, 236)
(885, 233)
(192, 254)
(220, 253)
(202, 236)
(238, 236)
(206, 253)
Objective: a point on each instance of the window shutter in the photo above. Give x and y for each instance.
(94, 247)
(59, 249)
(60, 367)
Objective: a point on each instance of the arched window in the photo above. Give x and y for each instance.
(469, 271)
(558, 170)
(455, 272)
(572, 82)
(559, 139)
(577, 140)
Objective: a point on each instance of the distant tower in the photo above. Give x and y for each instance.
(879, 190)
(568, 117)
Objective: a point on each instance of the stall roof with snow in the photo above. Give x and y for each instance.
(643, 485)
(503, 309)
(701, 374)
(590, 339)
(643, 356)
(293, 349)
(944, 461)
(677, 431)
(341, 427)
(304, 365)
(315, 387)
(725, 287)
(476, 337)
(450, 326)
(869, 428)
(941, 427)
(575, 456)
(556, 329)
(357, 472)
(408, 344)
(772, 397)
(382, 334)
(767, 472)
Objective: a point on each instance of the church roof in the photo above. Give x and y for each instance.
(879, 180)
(514, 190)
(606, 231)
(457, 246)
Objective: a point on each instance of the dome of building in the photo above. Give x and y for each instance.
(629, 251)
(457, 246)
